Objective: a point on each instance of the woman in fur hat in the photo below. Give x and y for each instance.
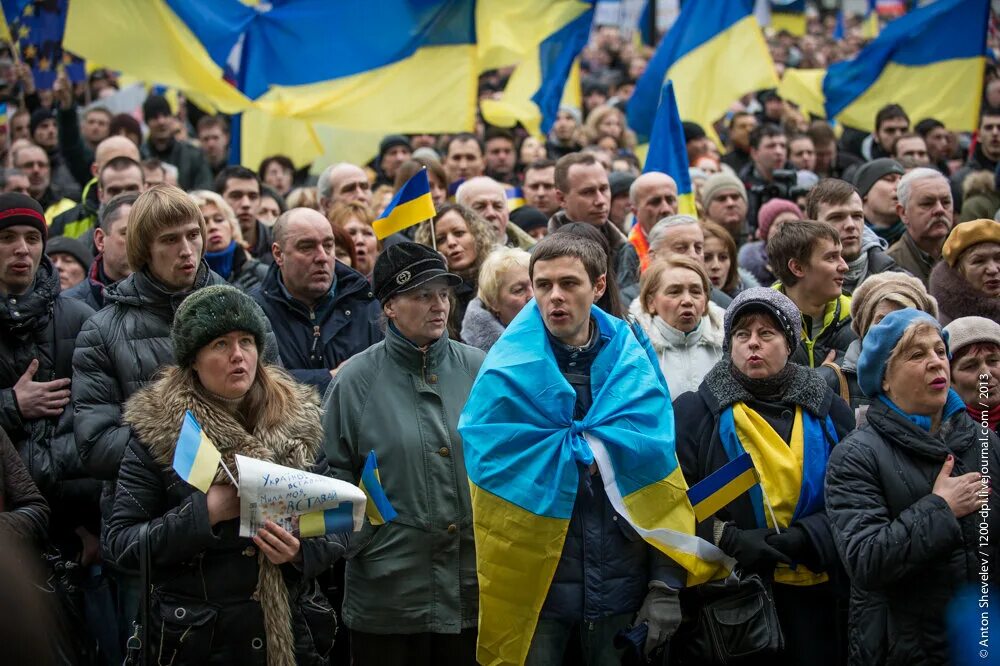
(215, 597)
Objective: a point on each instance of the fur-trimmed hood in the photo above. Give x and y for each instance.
(480, 328)
(957, 298)
(156, 413)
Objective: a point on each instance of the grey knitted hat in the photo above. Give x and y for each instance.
(719, 182)
(210, 312)
(966, 331)
(769, 301)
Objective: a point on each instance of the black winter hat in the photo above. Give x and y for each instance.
(872, 172)
(155, 106)
(17, 209)
(620, 182)
(692, 131)
(405, 266)
(39, 116)
(72, 247)
(528, 218)
(210, 312)
(391, 141)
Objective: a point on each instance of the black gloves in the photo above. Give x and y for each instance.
(752, 548)
(795, 543)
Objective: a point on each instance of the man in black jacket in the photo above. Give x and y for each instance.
(322, 311)
(111, 263)
(240, 187)
(193, 172)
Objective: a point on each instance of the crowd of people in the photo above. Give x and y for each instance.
(831, 308)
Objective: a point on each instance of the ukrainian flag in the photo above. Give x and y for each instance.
(722, 486)
(411, 205)
(196, 460)
(378, 509)
(668, 151)
(515, 197)
(331, 521)
(543, 40)
(714, 53)
(523, 452)
(789, 15)
(931, 62)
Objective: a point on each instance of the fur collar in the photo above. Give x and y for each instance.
(479, 327)
(807, 389)
(957, 298)
(156, 413)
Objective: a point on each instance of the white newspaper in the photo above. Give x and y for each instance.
(283, 494)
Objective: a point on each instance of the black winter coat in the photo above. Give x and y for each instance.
(807, 614)
(43, 325)
(905, 551)
(120, 349)
(311, 347)
(210, 594)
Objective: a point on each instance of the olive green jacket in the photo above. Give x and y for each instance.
(416, 574)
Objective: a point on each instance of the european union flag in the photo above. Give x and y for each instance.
(931, 62)
(411, 205)
(378, 509)
(196, 459)
(37, 28)
(722, 486)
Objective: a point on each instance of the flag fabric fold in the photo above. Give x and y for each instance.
(720, 38)
(412, 204)
(378, 509)
(939, 47)
(196, 460)
(668, 150)
(523, 450)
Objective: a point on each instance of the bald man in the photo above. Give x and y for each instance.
(341, 183)
(81, 220)
(652, 197)
(489, 198)
(322, 311)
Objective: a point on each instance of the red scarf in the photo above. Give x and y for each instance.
(992, 416)
(638, 239)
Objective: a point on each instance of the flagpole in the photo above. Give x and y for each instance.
(434, 242)
(770, 509)
(232, 478)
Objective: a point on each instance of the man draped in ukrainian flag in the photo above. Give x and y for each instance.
(579, 506)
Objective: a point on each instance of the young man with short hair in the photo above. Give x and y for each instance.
(806, 258)
(240, 187)
(837, 202)
(590, 574)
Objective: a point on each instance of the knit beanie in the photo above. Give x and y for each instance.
(872, 172)
(154, 107)
(19, 209)
(966, 331)
(769, 301)
(881, 340)
(39, 116)
(211, 312)
(391, 141)
(900, 288)
(771, 210)
(72, 247)
(528, 218)
(719, 182)
(967, 234)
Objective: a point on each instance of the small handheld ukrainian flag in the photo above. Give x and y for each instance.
(722, 486)
(411, 205)
(337, 520)
(196, 459)
(378, 509)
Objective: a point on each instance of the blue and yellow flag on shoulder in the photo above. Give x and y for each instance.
(196, 460)
(931, 62)
(668, 151)
(523, 452)
(714, 53)
(378, 509)
(411, 205)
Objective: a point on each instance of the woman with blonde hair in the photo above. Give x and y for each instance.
(504, 288)
(684, 327)
(465, 240)
(225, 251)
(609, 121)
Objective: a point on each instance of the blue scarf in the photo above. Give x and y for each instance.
(953, 405)
(222, 261)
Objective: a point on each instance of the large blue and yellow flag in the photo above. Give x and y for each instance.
(523, 453)
(351, 65)
(931, 62)
(668, 151)
(542, 40)
(714, 53)
(411, 205)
